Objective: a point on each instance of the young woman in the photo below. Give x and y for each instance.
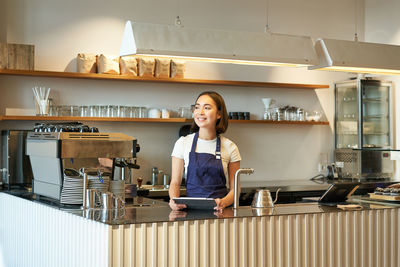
(208, 158)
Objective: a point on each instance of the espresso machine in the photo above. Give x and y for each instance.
(53, 153)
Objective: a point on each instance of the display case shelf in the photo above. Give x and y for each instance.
(96, 76)
(169, 120)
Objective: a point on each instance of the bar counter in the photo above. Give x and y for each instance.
(148, 233)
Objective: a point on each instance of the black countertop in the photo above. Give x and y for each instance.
(144, 210)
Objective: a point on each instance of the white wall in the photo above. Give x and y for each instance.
(61, 29)
(382, 25)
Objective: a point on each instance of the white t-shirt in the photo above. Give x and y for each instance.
(229, 150)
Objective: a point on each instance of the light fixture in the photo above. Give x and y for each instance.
(359, 57)
(252, 48)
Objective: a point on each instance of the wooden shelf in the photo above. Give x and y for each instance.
(96, 76)
(280, 122)
(170, 120)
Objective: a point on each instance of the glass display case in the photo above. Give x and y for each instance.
(363, 116)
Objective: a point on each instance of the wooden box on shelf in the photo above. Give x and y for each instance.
(17, 56)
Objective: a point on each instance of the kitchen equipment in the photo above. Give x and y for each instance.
(107, 200)
(236, 184)
(118, 202)
(15, 165)
(366, 163)
(363, 128)
(268, 102)
(91, 198)
(262, 199)
(363, 114)
(50, 153)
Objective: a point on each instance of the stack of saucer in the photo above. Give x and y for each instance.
(118, 188)
(72, 190)
(100, 183)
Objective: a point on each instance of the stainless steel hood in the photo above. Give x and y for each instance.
(253, 48)
(359, 57)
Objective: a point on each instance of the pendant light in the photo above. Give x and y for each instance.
(355, 56)
(223, 46)
(359, 57)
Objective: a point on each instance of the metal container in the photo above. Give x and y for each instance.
(91, 198)
(107, 200)
(262, 199)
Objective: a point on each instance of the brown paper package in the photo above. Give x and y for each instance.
(163, 67)
(177, 69)
(108, 64)
(87, 63)
(128, 65)
(146, 66)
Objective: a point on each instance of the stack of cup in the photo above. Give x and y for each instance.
(117, 187)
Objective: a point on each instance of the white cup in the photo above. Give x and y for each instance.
(165, 113)
(154, 113)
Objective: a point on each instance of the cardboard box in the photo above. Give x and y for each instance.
(17, 56)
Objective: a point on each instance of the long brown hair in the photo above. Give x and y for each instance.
(222, 123)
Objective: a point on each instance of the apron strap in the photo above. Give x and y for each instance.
(217, 149)
(194, 143)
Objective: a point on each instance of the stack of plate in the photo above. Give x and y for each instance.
(72, 191)
(99, 183)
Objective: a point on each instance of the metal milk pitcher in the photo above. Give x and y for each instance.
(262, 199)
(91, 201)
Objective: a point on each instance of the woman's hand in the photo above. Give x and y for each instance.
(105, 162)
(175, 206)
(394, 185)
(220, 204)
(177, 214)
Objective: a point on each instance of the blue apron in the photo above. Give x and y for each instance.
(205, 174)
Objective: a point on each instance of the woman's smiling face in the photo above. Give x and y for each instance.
(206, 112)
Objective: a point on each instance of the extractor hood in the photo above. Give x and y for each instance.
(252, 48)
(359, 57)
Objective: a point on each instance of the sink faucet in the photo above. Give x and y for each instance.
(236, 187)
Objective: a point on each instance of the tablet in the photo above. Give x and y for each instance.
(196, 202)
(337, 193)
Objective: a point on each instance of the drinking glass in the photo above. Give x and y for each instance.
(53, 110)
(103, 111)
(94, 111)
(300, 114)
(83, 111)
(142, 112)
(185, 112)
(133, 112)
(112, 111)
(74, 110)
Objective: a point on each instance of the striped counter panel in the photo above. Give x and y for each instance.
(33, 234)
(354, 238)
